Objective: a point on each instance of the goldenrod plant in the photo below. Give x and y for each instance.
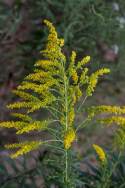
(56, 85)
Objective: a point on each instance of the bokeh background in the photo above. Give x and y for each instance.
(91, 27)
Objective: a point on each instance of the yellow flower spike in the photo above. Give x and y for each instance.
(74, 76)
(71, 69)
(84, 77)
(117, 110)
(100, 152)
(25, 95)
(18, 105)
(119, 120)
(22, 116)
(54, 44)
(69, 138)
(53, 33)
(13, 124)
(25, 147)
(78, 92)
(93, 79)
(33, 126)
(38, 88)
(47, 65)
(83, 62)
(73, 57)
(71, 116)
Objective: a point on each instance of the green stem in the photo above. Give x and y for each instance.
(46, 141)
(66, 178)
(66, 122)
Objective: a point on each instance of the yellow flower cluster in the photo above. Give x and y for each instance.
(47, 65)
(100, 152)
(25, 127)
(117, 110)
(119, 120)
(75, 94)
(48, 100)
(38, 88)
(40, 75)
(93, 79)
(71, 116)
(74, 76)
(72, 60)
(69, 138)
(33, 126)
(72, 69)
(53, 48)
(22, 117)
(84, 77)
(13, 124)
(83, 62)
(33, 105)
(78, 92)
(25, 147)
(25, 95)
(18, 105)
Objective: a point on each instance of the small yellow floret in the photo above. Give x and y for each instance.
(100, 152)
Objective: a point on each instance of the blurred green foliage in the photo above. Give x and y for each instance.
(96, 28)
